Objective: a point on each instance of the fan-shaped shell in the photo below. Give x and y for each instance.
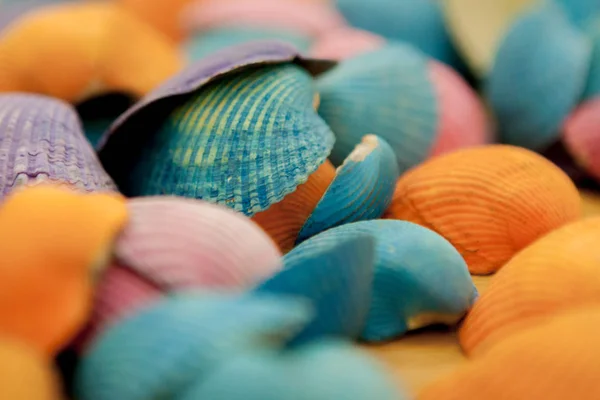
(53, 243)
(41, 141)
(558, 272)
(581, 135)
(489, 201)
(337, 278)
(345, 42)
(362, 189)
(320, 371)
(171, 245)
(386, 92)
(191, 336)
(420, 279)
(555, 360)
(538, 76)
(165, 15)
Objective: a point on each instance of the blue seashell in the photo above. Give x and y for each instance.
(386, 92)
(538, 77)
(420, 278)
(160, 351)
(592, 88)
(337, 278)
(326, 370)
(362, 189)
(583, 13)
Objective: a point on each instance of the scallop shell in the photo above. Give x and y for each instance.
(174, 244)
(489, 202)
(337, 278)
(41, 141)
(556, 273)
(385, 92)
(420, 279)
(190, 337)
(53, 242)
(362, 189)
(164, 15)
(538, 76)
(344, 43)
(84, 41)
(581, 135)
(320, 371)
(555, 360)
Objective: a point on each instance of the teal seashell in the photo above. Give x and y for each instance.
(386, 92)
(337, 278)
(583, 13)
(420, 279)
(362, 189)
(592, 88)
(538, 77)
(160, 351)
(327, 370)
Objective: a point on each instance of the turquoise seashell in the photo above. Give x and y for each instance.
(337, 278)
(386, 92)
(592, 88)
(362, 189)
(327, 370)
(538, 77)
(420, 279)
(583, 13)
(160, 351)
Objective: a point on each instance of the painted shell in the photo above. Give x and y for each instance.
(581, 135)
(84, 42)
(171, 245)
(53, 243)
(41, 141)
(345, 42)
(554, 360)
(164, 15)
(489, 202)
(337, 278)
(320, 371)
(541, 52)
(558, 272)
(420, 279)
(190, 337)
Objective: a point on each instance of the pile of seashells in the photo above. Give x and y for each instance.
(219, 199)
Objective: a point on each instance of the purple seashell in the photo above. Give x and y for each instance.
(41, 140)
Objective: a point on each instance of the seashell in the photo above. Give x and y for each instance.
(172, 244)
(48, 261)
(337, 277)
(362, 189)
(556, 273)
(345, 42)
(489, 202)
(581, 135)
(420, 279)
(592, 88)
(121, 365)
(583, 13)
(320, 371)
(554, 360)
(164, 15)
(41, 141)
(540, 50)
(84, 42)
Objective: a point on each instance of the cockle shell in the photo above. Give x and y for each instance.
(337, 278)
(489, 201)
(345, 42)
(191, 335)
(558, 272)
(53, 243)
(78, 50)
(318, 371)
(581, 135)
(172, 244)
(554, 360)
(165, 15)
(538, 76)
(41, 141)
(420, 279)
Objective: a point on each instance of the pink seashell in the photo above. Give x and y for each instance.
(463, 119)
(582, 136)
(340, 44)
(310, 18)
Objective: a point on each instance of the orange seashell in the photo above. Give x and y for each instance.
(488, 201)
(164, 15)
(283, 221)
(53, 241)
(557, 272)
(76, 51)
(556, 360)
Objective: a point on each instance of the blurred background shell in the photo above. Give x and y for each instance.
(489, 201)
(558, 272)
(581, 135)
(592, 88)
(345, 42)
